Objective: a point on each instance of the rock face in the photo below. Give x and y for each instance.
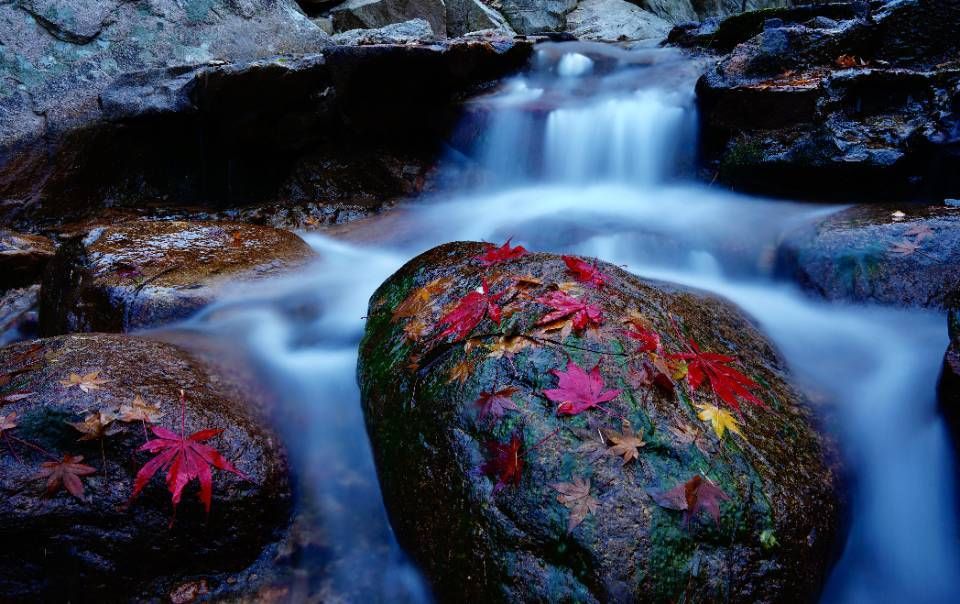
(316, 128)
(372, 14)
(22, 258)
(472, 453)
(101, 545)
(537, 16)
(140, 274)
(950, 378)
(903, 256)
(840, 104)
(414, 30)
(615, 20)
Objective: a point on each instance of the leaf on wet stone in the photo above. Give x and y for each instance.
(495, 404)
(645, 339)
(720, 419)
(495, 255)
(139, 411)
(726, 382)
(469, 311)
(904, 248)
(415, 329)
(65, 474)
(920, 231)
(578, 390)
(9, 422)
(96, 425)
(507, 346)
(13, 397)
(421, 299)
(584, 272)
(626, 443)
(504, 462)
(86, 383)
(591, 444)
(576, 497)
(460, 372)
(692, 497)
(580, 313)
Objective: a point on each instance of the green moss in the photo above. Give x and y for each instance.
(671, 551)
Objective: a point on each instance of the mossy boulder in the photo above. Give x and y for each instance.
(139, 274)
(472, 485)
(902, 255)
(104, 546)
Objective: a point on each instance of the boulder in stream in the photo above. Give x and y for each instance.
(76, 411)
(139, 274)
(902, 255)
(555, 429)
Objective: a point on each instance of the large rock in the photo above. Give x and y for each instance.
(681, 11)
(412, 31)
(840, 107)
(898, 255)
(537, 16)
(372, 14)
(141, 274)
(950, 376)
(482, 516)
(615, 20)
(356, 125)
(466, 16)
(101, 545)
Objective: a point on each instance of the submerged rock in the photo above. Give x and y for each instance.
(898, 255)
(840, 105)
(84, 537)
(141, 274)
(544, 456)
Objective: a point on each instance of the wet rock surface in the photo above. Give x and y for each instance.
(331, 128)
(94, 543)
(22, 258)
(949, 388)
(841, 101)
(473, 454)
(140, 274)
(898, 255)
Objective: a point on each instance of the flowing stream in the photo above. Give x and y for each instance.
(587, 154)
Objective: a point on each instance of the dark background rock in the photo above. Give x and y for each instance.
(476, 545)
(851, 256)
(140, 274)
(22, 258)
(59, 548)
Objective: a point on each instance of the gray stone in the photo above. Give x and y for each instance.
(373, 14)
(414, 30)
(466, 16)
(537, 16)
(613, 20)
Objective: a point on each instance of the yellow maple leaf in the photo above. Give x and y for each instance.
(421, 299)
(86, 383)
(460, 372)
(140, 411)
(721, 420)
(508, 346)
(415, 329)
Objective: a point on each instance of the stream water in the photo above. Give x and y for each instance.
(587, 153)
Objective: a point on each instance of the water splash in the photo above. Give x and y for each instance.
(584, 158)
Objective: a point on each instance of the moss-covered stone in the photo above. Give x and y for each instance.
(480, 544)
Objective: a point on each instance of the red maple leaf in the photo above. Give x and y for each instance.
(184, 458)
(565, 305)
(578, 390)
(505, 462)
(471, 309)
(584, 272)
(727, 383)
(648, 340)
(496, 403)
(693, 496)
(494, 255)
(65, 474)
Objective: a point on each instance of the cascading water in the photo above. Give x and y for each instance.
(582, 156)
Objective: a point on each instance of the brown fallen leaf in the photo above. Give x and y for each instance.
(96, 425)
(86, 382)
(415, 329)
(576, 497)
(904, 248)
(507, 346)
(8, 423)
(65, 474)
(189, 592)
(421, 299)
(626, 444)
(920, 231)
(460, 372)
(140, 411)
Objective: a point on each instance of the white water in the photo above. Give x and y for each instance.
(582, 157)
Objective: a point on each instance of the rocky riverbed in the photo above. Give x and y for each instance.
(544, 426)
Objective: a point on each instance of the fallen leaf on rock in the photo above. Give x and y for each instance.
(578, 390)
(507, 346)
(86, 382)
(647, 340)
(591, 444)
(576, 497)
(140, 411)
(725, 381)
(495, 404)
(421, 299)
(584, 272)
(691, 497)
(720, 419)
(920, 231)
(505, 462)
(469, 311)
(14, 397)
(96, 425)
(184, 458)
(904, 248)
(581, 314)
(848, 61)
(8, 423)
(189, 592)
(626, 444)
(460, 372)
(65, 474)
(495, 255)
(415, 329)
